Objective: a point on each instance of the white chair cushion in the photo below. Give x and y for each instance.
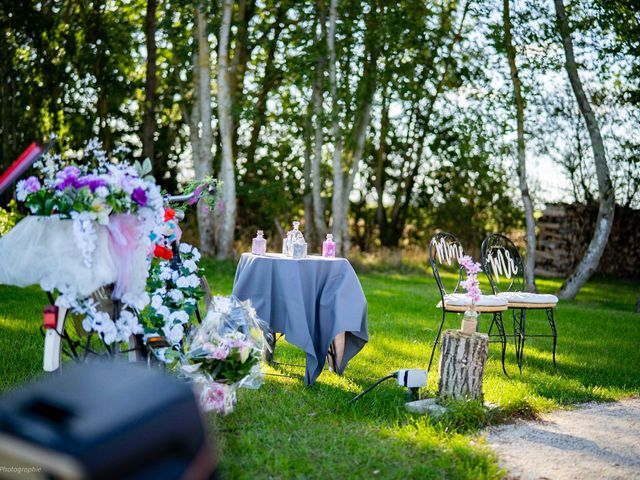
(462, 300)
(526, 297)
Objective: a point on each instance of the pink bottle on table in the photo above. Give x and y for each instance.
(329, 247)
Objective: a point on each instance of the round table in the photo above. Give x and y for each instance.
(316, 302)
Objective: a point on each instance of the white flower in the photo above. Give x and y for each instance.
(179, 316)
(190, 301)
(85, 236)
(185, 248)
(21, 191)
(128, 325)
(182, 282)
(166, 273)
(136, 301)
(176, 295)
(194, 281)
(196, 254)
(173, 333)
(101, 209)
(163, 311)
(102, 192)
(190, 265)
(156, 302)
(109, 331)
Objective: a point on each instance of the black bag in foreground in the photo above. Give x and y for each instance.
(105, 420)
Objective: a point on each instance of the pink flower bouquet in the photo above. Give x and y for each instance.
(224, 352)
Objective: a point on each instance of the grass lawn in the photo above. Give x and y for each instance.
(287, 430)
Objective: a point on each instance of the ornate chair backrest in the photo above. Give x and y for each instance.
(445, 252)
(502, 263)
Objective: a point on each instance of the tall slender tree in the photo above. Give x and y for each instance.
(149, 116)
(530, 222)
(227, 211)
(606, 193)
(203, 161)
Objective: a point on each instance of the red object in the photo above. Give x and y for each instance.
(50, 316)
(169, 214)
(21, 165)
(162, 252)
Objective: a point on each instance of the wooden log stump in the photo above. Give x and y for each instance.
(462, 361)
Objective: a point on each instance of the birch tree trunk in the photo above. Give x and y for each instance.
(337, 203)
(317, 100)
(606, 193)
(307, 199)
(530, 222)
(227, 212)
(151, 81)
(201, 127)
(360, 137)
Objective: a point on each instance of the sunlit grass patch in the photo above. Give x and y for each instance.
(287, 430)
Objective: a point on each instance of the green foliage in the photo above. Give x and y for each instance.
(9, 217)
(434, 71)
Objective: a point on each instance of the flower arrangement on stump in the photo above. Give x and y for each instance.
(472, 286)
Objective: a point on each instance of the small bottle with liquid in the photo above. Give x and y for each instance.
(329, 247)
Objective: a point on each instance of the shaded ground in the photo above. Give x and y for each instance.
(597, 440)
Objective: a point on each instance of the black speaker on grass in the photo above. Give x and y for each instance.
(106, 420)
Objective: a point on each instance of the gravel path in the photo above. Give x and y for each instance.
(595, 441)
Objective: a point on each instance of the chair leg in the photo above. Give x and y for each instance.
(435, 342)
(497, 319)
(552, 324)
(493, 320)
(523, 336)
(516, 332)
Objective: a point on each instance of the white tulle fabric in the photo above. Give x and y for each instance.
(42, 251)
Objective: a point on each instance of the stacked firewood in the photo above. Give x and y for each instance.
(564, 232)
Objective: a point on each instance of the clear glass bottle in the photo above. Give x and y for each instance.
(329, 247)
(294, 237)
(299, 249)
(259, 244)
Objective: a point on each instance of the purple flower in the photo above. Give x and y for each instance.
(67, 177)
(91, 181)
(139, 196)
(469, 265)
(32, 184)
(471, 284)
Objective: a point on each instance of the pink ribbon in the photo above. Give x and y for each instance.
(124, 237)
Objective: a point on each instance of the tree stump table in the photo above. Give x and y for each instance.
(462, 361)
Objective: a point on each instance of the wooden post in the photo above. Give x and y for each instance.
(462, 360)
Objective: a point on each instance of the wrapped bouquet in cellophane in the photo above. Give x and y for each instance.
(224, 353)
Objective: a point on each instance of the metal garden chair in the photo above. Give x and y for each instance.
(503, 265)
(444, 252)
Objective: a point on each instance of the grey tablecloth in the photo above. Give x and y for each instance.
(313, 301)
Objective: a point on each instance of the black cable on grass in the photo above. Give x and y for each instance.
(357, 397)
